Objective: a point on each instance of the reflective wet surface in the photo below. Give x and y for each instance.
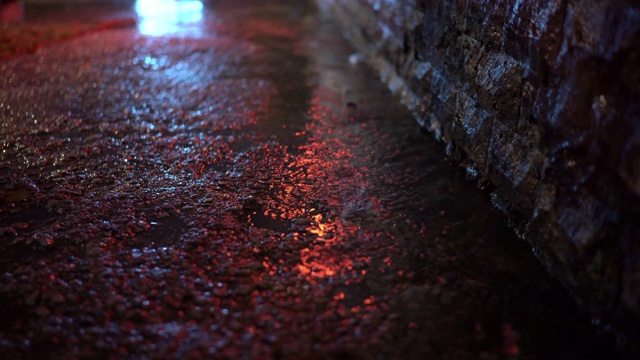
(219, 181)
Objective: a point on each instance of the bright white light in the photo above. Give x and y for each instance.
(161, 17)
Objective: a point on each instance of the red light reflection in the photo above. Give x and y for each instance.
(321, 190)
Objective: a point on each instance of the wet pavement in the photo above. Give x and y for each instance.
(220, 182)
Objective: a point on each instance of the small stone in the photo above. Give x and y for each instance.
(20, 226)
(360, 265)
(301, 221)
(219, 292)
(255, 266)
(244, 290)
(32, 298)
(120, 309)
(446, 297)
(42, 311)
(235, 325)
(243, 272)
(356, 59)
(234, 209)
(57, 297)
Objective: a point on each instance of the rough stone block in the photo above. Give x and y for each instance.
(514, 164)
(472, 50)
(533, 32)
(542, 95)
(499, 81)
(472, 130)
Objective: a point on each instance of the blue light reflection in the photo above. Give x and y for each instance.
(163, 17)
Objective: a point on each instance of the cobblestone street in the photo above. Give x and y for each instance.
(218, 180)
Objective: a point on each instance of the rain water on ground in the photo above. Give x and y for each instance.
(221, 182)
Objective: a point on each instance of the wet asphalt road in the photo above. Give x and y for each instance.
(220, 182)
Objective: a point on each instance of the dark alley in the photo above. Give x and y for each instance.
(226, 179)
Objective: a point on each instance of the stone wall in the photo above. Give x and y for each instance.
(539, 99)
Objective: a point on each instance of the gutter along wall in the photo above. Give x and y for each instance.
(539, 99)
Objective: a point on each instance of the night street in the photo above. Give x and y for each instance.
(229, 180)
